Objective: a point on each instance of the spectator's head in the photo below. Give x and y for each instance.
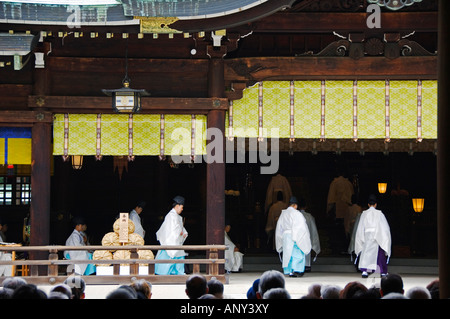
(14, 282)
(330, 292)
(351, 289)
(251, 293)
(270, 279)
(196, 286)
(6, 293)
(394, 295)
(277, 293)
(215, 288)
(64, 289)
(418, 293)
(77, 285)
(29, 291)
(433, 288)
(57, 295)
(143, 288)
(121, 293)
(314, 290)
(391, 283)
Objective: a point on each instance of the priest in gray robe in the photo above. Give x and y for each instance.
(314, 234)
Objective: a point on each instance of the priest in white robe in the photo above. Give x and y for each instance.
(77, 239)
(5, 270)
(136, 219)
(292, 239)
(172, 232)
(373, 240)
(234, 259)
(314, 234)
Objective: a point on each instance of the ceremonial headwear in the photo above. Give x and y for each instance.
(178, 200)
(293, 200)
(372, 199)
(141, 204)
(78, 220)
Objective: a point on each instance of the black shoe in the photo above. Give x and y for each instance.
(296, 274)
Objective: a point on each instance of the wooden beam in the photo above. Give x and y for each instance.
(327, 22)
(135, 65)
(96, 104)
(336, 68)
(25, 117)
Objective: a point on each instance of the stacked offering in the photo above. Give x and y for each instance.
(113, 239)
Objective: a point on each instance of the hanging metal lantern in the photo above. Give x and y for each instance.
(126, 99)
(77, 161)
(382, 188)
(418, 204)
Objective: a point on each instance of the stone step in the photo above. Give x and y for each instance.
(344, 264)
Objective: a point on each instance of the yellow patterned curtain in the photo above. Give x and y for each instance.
(336, 110)
(124, 135)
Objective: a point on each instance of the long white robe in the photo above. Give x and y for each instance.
(5, 270)
(76, 239)
(233, 259)
(315, 241)
(172, 232)
(136, 219)
(373, 231)
(292, 223)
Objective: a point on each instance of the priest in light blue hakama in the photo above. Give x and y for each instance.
(292, 239)
(77, 239)
(172, 232)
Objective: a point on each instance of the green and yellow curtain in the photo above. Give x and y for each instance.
(336, 110)
(129, 135)
(285, 109)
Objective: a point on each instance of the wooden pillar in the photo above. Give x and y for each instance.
(40, 173)
(215, 172)
(40, 190)
(443, 154)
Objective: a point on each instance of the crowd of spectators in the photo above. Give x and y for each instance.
(270, 285)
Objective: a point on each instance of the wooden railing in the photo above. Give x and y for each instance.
(54, 275)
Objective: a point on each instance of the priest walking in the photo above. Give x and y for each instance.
(292, 239)
(373, 240)
(172, 232)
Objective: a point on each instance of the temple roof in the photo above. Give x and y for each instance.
(115, 10)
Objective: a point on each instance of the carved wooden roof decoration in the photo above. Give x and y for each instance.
(270, 40)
